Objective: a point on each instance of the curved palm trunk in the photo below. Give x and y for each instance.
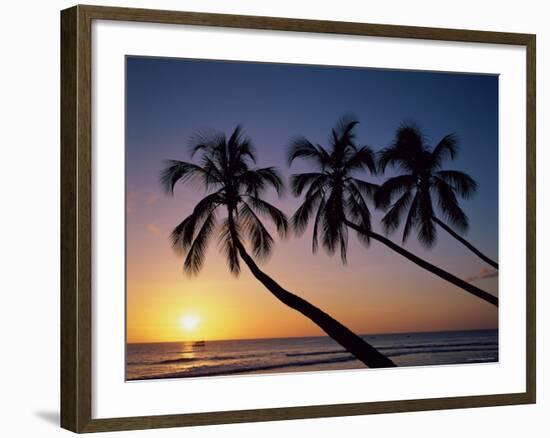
(363, 351)
(467, 244)
(426, 265)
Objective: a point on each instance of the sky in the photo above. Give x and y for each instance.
(378, 291)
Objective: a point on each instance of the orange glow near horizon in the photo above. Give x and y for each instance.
(365, 295)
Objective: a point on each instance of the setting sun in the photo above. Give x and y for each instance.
(190, 322)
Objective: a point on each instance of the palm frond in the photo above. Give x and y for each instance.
(301, 216)
(227, 244)
(345, 126)
(239, 150)
(301, 147)
(447, 145)
(271, 212)
(448, 204)
(461, 182)
(392, 218)
(272, 178)
(333, 221)
(235, 138)
(301, 181)
(393, 156)
(182, 236)
(342, 142)
(359, 212)
(343, 135)
(343, 243)
(255, 181)
(427, 234)
(405, 150)
(207, 142)
(360, 207)
(318, 217)
(251, 182)
(178, 171)
(412, 218)
(366, 188)
(260, 239)
(409, 137)
(185, 228)
(246, 149)
(393, 188)
(213, 173)
(361, 158)
(195, 256)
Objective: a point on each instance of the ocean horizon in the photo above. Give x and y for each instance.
(161, 360)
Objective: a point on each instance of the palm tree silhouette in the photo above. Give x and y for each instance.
(423, 180)
(336, 200)
(236, 188)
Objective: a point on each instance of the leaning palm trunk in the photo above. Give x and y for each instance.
(426, 265)
(354, 344)
(467, 244)
(363, 351)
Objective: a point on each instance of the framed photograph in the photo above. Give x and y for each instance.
(268, 218)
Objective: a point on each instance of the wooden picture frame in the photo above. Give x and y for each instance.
(76, 237)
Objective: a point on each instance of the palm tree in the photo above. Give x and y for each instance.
(337, 200)
(235, 187)
(424, 179)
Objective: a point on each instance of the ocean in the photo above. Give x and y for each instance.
(253, 356)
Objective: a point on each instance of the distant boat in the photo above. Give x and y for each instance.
(199, 344)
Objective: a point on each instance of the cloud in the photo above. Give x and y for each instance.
(135, 200)
(483, 273)
(152, 198)
(153, 229)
